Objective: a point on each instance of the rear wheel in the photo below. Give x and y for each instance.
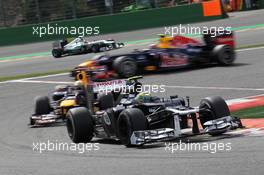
(224, 55)
(80, 125)
(130, 120)
(125, 67)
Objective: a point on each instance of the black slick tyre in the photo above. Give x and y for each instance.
(212, 108)
(57, 53)
(80, 125)
(42, 105)
(224, 55)
(130, 120)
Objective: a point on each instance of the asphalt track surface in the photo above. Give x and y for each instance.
(245, 78)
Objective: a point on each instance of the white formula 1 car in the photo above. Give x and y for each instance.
(81, 46)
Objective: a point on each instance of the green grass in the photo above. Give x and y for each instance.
(32, 75)
(256, 112)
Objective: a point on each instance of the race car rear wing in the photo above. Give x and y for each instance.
(218, 38)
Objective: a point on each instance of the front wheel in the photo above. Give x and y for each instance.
(130, 120)
(125, 67)
(42, 105)
(212, 108)
(57, 53)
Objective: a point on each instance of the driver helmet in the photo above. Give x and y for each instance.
(143, 97)
(78, 83)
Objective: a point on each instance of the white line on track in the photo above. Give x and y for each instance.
(42, 82)
(34, 78)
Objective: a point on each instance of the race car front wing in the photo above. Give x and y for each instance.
(213, 127)
(43, 120)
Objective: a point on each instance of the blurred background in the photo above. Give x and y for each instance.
(20, 12)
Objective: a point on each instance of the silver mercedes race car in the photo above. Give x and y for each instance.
(81, 46)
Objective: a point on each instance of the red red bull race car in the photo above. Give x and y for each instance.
(169, 53)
